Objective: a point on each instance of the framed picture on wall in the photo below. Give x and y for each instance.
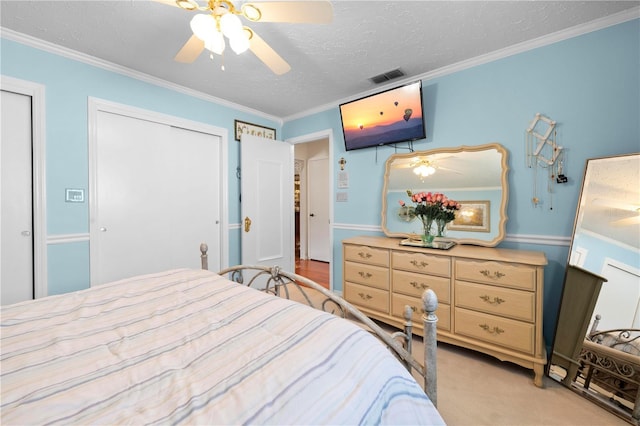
(472, 216)
(244, 128)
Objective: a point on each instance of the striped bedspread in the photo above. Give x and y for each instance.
(191, 347)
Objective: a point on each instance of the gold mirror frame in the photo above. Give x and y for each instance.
(473, 175)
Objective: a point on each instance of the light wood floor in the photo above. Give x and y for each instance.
(314, 270)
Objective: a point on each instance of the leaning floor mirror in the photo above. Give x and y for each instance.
(596, 350)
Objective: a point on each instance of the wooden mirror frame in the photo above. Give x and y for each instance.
(498, 216)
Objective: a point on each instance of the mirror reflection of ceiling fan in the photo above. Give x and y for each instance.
(424, 167)
(630, 210)
(219, 19)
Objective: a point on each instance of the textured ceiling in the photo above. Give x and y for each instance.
(610, 200)
(330, 63)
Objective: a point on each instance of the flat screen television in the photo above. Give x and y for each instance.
(392, 116)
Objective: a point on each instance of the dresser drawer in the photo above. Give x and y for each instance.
(373, 276)
(367, 297)
(497, 273)
(516, 304)
(443, 311)
(505, 332)
(365, 254)
(413, 284)
(420, 262)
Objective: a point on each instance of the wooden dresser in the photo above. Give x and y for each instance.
(490, 300)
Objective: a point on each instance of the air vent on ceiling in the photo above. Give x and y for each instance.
(389, 75)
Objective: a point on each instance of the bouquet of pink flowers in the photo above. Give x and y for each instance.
(432, 207)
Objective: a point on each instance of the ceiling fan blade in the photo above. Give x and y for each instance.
(267, 55)
(190, 51)
(312, 12)
(616, 204)
(629, 221)
(448, 170)
(167, 2)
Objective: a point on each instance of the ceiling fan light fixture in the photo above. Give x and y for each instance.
(231, 26)
(424, 170)
(203, 26)
(215, 44)
(239, 43)
(187, 4)
(251, 12)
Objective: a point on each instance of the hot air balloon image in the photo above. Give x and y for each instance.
(407, 114)
(387, 117)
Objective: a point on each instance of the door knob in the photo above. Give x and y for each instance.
(247, 224)
(26, 233)
(312, 215)
(103, 229)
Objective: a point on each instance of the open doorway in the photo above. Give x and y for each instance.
(313, 207)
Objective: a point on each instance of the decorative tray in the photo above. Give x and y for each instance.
(438, 244)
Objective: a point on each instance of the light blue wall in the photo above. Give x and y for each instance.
(599, 249)
(68, 85)
(589, 84)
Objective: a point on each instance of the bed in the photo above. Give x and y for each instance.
(196, 347)
(609, 371)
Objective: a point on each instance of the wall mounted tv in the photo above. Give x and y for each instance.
(392, 116)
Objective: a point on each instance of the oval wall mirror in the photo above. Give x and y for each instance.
(475, 176)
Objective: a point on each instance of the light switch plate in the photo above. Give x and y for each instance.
(343, 180)
(342, 196)
(74, 195)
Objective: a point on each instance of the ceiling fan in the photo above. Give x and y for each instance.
(425, 166)
(219, 19)
(629, 211)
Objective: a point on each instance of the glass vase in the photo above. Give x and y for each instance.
(427, 232)
(427, 239)
(441, 226)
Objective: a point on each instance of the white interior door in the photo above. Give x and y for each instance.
(619, 297)
(157, 197)
(267, 202)
(318, 220)
(16, 201)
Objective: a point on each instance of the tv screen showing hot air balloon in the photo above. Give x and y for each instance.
(392, 116)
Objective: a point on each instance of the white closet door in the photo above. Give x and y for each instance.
(16, 228)
(158, 197)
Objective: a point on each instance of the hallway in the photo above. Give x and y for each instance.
(314, 270)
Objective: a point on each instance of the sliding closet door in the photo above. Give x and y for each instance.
(157, 195)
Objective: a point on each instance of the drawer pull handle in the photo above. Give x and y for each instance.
(365, 275)
(365, 296)
(496, 300)
(364, 255)
(494, 330)
(414, 309)
(417, 285)
(417, 264)
(497, 274)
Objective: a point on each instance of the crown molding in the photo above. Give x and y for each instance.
(110, 66)
(578, 30)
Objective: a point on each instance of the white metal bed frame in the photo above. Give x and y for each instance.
(281, 283)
